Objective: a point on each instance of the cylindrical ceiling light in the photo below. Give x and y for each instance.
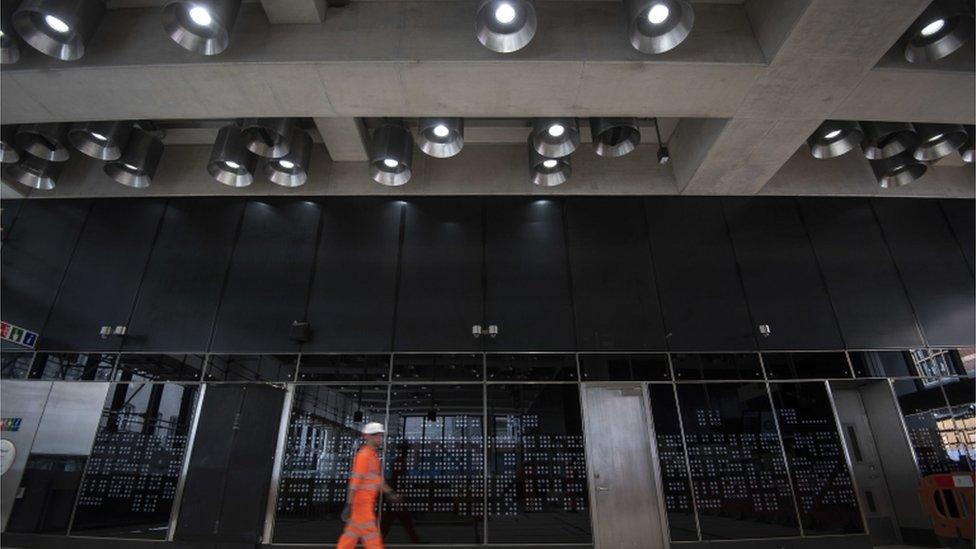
(35, 172)
(391, 155)
(267, 137)
(614, 136)
(201, 26)
(656, 26)
(941, 29)
(9, 41)
(59, 28)
(100, 140)
(555, 137)
(230, 162)
(505, 25)
(898, 170)
(834, 138)
(140, 158)
(548, 172)
(936, 141)
(8, 152)
(291, 170)
(966, 149)
(441, 137)
(45, 141)
(887, 139)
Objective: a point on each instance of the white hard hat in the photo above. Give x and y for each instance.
(373, 428)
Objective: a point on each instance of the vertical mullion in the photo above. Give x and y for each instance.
(782, 449)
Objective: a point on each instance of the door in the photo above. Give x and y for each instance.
(866, 463)
(624, 491)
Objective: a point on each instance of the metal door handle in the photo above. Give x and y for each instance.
(603, 488)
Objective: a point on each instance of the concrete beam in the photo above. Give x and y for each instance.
(344, 138)
(294, 11)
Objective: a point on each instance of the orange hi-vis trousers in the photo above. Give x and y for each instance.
(365, 482)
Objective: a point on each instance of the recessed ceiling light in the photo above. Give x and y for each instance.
(933, 27)
(832, 134)
(201, 16)
(550, 163)
(441, 130)
(56, 24)
(505, 13)
(556, 130)
(658, 14)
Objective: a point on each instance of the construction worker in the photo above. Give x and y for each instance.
(365, 483)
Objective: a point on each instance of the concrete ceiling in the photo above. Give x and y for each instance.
(741, 94)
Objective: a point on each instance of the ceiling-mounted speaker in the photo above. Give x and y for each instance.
(100, 140)
(291, 170)
(391, 155)
(886, 139)
(614, 137)
(268, 137)
(8, 152)
(35, 172)
(657, 26)
(898, 170)
(937, 141)
(548, 172)
(58, 28)
(45, 141)
(944, 27)
(201, 26)
(505, 26)
(230, 162)
(834, 138)
(137, 165)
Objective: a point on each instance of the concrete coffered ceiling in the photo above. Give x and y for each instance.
(738, 98)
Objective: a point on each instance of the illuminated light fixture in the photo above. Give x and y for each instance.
(898, 170)
(35, 172)
(291, 170)
(966, 149)
(886, 139)
(268, 137)
(614, 137)
(45, 141)
(441, 137)
(100, 140)
(9, 41)
(657, 26)
(139, 160)
(201, 26)
(555, 137)
(834, 138)
(938, 140)
(8, 152)
(505, 26)
(230, 162)
(391, 155)
(944, 27)
(58, 28)
(548, 172)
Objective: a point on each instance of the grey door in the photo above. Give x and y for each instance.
(625, 499)
(866, 463)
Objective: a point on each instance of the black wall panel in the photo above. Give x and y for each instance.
(614, 291)
(962, 218)
(103, 278)
(178, 299)
(440, 295)
(701, 294)
(354, 287)
(8, 214)
(267, 286)
(933, 270)
(36, 251)
(870, 301)
(527, 276)
(780, 274)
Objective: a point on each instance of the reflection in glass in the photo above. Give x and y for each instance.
(623, 367)
(159, 368)
(135, 464)
(737, 469)
(435, 461)
(806, 365)
(73, 366)
(939, 447)
(882, 364)
(323, 437)
(251, 367)
(49, 486)
(459, 367)
(936, 362)
(673, 464)
(727, 366)
(821, 480)
(536, 367)
(365, 368)
(537, 489)
(15, 365)
(961, 393)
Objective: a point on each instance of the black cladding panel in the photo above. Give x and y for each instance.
(527, 276)
(267, 285)
(36, 250)
(440, 295)
(354, 290)
(780, 274)
(188, 263)
(935, 274)
(614, 290)
(870, 301)
(962, 218)
(701, 294)
(103, 278)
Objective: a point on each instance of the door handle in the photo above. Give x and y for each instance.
(603, 488)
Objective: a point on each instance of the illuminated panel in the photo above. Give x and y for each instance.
(928, 419)
(131, 479)
(821, 480)
(674, 467)
(435, 460)
(537, 489)
(737, 469)
(323, 437)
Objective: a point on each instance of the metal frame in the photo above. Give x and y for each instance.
(272, 504)
(174, 515)
(847, 456)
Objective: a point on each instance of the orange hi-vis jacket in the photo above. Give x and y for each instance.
(365, 482)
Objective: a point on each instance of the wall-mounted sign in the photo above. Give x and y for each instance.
(8, 452)
(18, 335)
(10, 424)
